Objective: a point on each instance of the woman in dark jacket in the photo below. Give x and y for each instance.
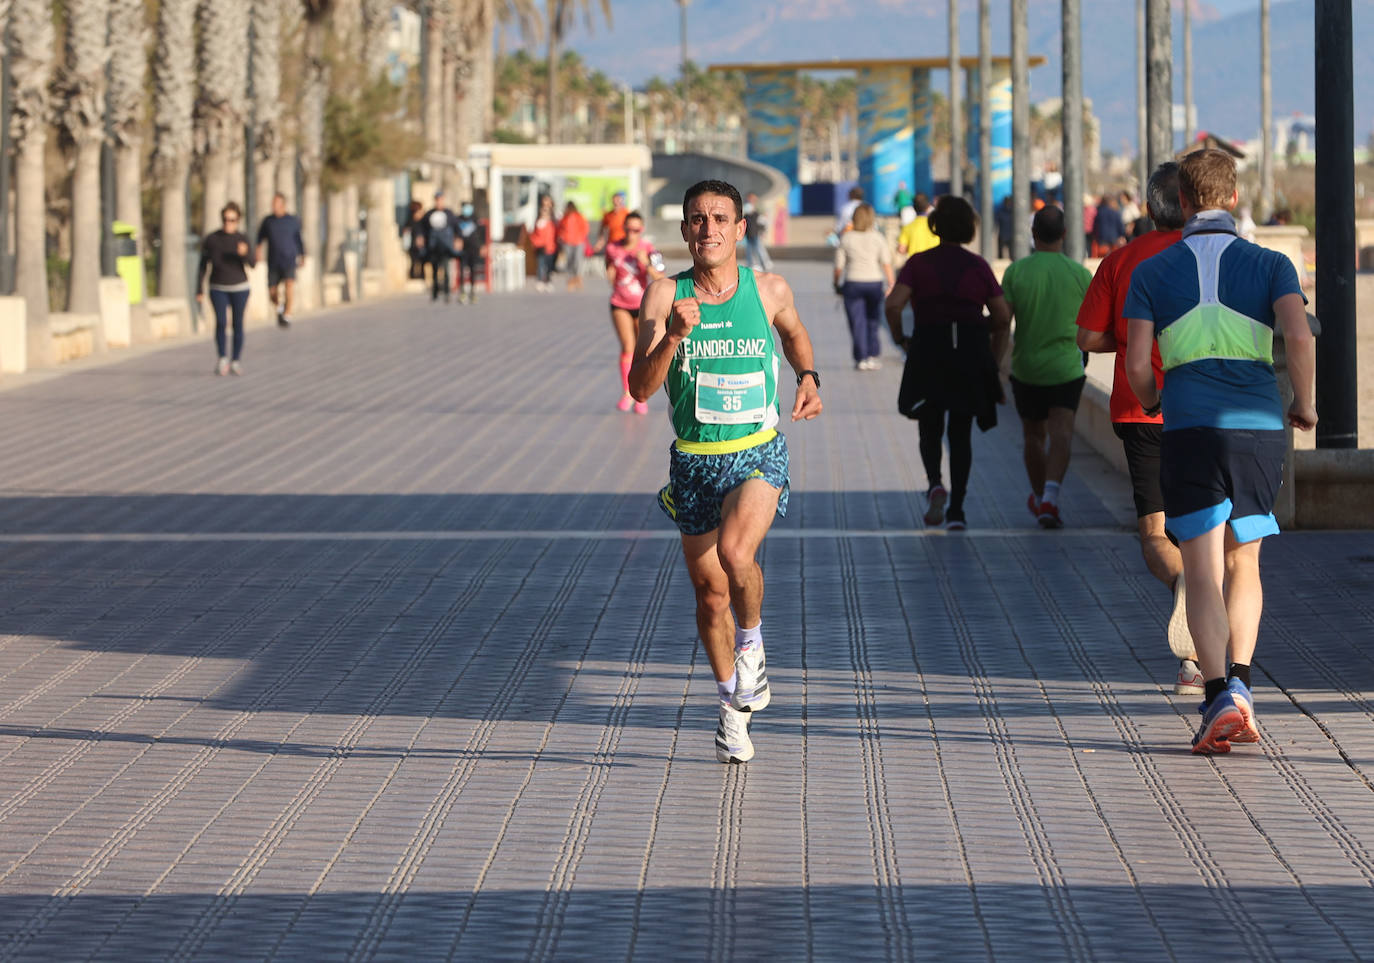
(953, 353)
(227, 254)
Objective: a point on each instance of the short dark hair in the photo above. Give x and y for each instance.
(1161, 197)
(1048, 224)
(856, 193)
(633, 216)
(953, 219)
(921, 202)
(231, 208)
(719, 189)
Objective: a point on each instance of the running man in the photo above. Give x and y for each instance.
(280, 234)
(1212, 303)
(1044, 291)
(613, 223)
(712, 335)
(1102, 327)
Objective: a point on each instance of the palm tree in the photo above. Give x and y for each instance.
(129, 35)
(82, 87)
(174, 79)
(558, 20)
(315, 89)
(31, 57)
(265, 28)
(221, 105)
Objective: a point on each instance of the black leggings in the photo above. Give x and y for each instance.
(932, 425)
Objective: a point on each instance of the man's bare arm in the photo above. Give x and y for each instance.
(1140, 372)
(796, 343)
(1301, 351)
(896, 301)
(657, 344)
(1097, 342)
(999, 318)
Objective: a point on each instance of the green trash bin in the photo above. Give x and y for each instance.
(128, 262)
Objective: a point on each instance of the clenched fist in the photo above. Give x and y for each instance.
(686, 316)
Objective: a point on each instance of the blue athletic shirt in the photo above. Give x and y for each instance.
(1222, 375)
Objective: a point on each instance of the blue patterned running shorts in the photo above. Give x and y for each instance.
(698, 484)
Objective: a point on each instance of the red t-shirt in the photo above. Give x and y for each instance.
(1101, 311)
(544, 237)
(949, 284)
(572, 229)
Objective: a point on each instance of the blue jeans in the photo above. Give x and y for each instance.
(223, 301)
(863, 304)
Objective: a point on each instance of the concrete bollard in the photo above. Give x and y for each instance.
(114, 312)
(14, 335)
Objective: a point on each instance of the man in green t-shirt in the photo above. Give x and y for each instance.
(1044, 291)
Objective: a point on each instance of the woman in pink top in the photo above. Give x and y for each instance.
(630, 265)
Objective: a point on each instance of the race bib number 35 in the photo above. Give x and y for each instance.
(731, 399)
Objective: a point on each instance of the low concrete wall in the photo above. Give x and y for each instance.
(168, 318)
(1333, 488)
(73, 335)
(1287, 239)
(14, 335)
(1364, 244)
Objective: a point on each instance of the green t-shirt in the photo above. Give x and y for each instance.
(1045, 291)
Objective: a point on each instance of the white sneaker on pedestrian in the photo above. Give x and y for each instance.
(1189, 681)
(732, 735)
(751, 680)
(1180, 639)
(235, 368)
(223, 367)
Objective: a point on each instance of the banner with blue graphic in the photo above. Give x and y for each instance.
(770, 97)
(886, 135)
(999, 99)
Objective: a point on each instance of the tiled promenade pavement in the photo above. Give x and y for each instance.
(384, 651)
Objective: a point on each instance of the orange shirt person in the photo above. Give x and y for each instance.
(613, 223)
(572, 239)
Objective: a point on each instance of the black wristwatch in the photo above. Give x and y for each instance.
(815, 375)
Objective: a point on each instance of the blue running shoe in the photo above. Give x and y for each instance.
(1240, 695)
(1221, 719)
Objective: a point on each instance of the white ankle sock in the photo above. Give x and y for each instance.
(1051, 493)
(727, 688)
(748, 638)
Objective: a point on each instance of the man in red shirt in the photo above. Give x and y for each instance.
(1101, 328)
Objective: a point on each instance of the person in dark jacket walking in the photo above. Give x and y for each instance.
(227, 254)
(440, 233)
(280, 235)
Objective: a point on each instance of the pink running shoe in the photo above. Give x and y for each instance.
(641, 407)
(625, 403)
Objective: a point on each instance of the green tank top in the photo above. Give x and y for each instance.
(723, 383)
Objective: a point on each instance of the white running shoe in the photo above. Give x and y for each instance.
(732, 736)
(223, 367)
(751, 680)
(1180, 639)
(235, 368)
(1189, 681)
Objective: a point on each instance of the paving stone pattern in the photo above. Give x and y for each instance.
(383, 651)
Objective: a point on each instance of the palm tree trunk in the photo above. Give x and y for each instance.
(83, 293)
(172, 266)
(333, 245)
(434, 79)
(30, 237)
(265, 88)
(312, 137)
(174, 76)
(83, 110)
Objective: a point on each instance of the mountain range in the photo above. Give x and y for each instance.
(643, 40)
